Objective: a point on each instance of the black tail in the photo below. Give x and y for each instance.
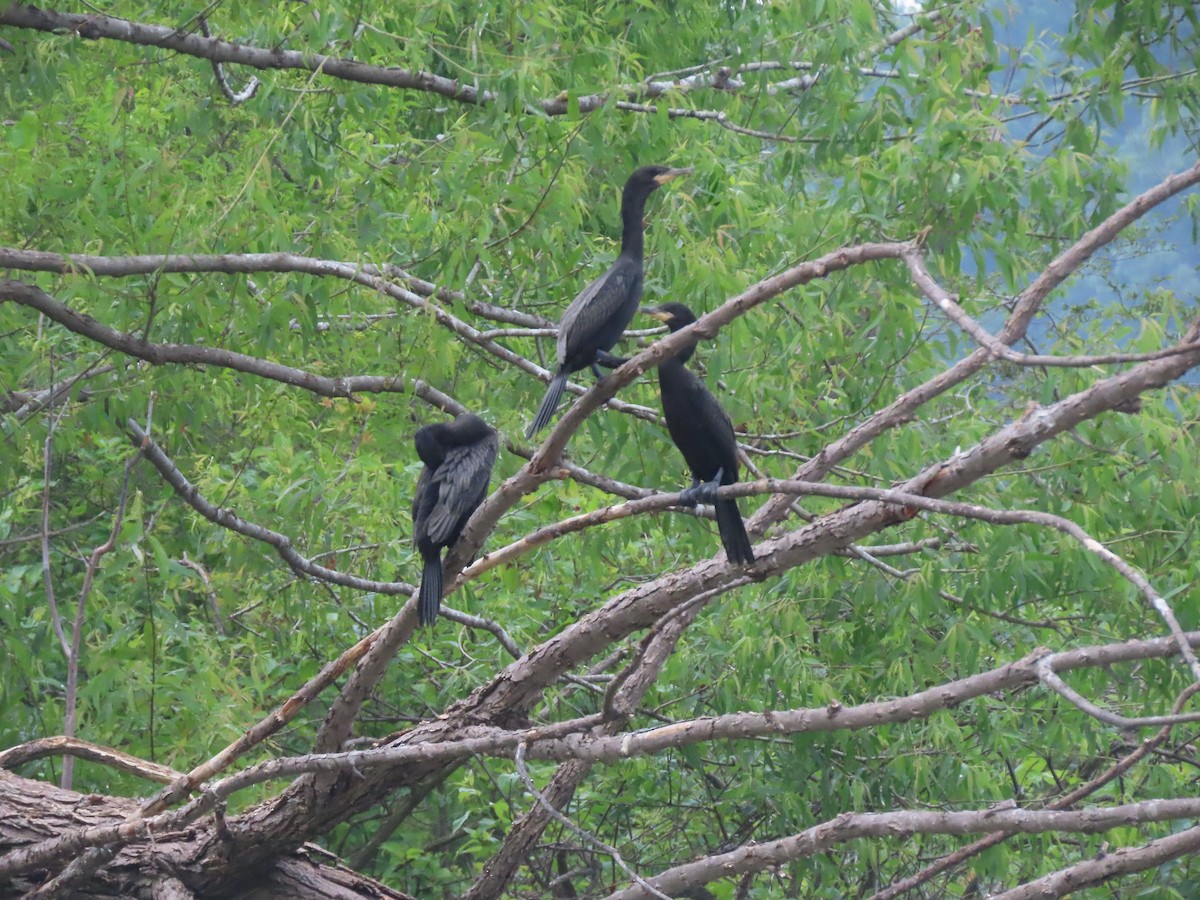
(549, 404)
(430, 599)
(733, 533)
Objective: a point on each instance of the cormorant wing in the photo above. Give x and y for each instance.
(423, 501)
(594, 307)
(461, 483)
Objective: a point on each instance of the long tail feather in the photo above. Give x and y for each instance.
(429, 601)
(733, 533)
(549, 404)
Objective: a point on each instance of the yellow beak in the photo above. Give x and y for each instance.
(673, 173)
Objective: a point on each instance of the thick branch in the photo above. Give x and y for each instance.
(69, 746)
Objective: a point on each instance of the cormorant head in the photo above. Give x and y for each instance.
(432, 441)
(467, 428)
(649, 178)
(675, 315)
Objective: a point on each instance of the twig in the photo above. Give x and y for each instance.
(523, 771)
(93, 563)
(235, 98)
(213, 602)
(1049, 677)
(32, 402)
(949, 305)
(47, 574)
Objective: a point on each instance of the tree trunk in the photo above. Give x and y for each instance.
(32, 811)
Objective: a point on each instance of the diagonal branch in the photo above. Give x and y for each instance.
(851, 826)
(95, 26)
(195, 354)
(1111, 865)
(950, 306)
(226, 518)
(1027, 303)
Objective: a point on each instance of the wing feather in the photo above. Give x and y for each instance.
(461, 483)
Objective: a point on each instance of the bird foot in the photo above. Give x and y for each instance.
(702, 491)
(608, 360)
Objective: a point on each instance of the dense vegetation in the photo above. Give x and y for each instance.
(425, 234)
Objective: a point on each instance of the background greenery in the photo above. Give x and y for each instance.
(114, 149)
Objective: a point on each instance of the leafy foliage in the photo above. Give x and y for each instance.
(996, 142)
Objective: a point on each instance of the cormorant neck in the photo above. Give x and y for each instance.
(633, 210)
(683, 355)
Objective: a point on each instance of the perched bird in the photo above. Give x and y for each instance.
(704, 435)
(600, 313)
(458, 459)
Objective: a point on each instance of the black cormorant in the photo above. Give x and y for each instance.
(600, 313)
(704, 435)
(458, 459)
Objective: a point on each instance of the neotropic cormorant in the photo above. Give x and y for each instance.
(598, 316)
(704, 435)
(458, 459)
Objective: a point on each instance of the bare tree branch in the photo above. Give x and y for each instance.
(627, 98)
(93, 563)
(69, 746)
(1026, 306)
(1116, 770)
(1111, 865)
(195, 354)
(850, 826)
(47, 573)
(361, 274)
(949, 305)
(226, 518)
(94, 27)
